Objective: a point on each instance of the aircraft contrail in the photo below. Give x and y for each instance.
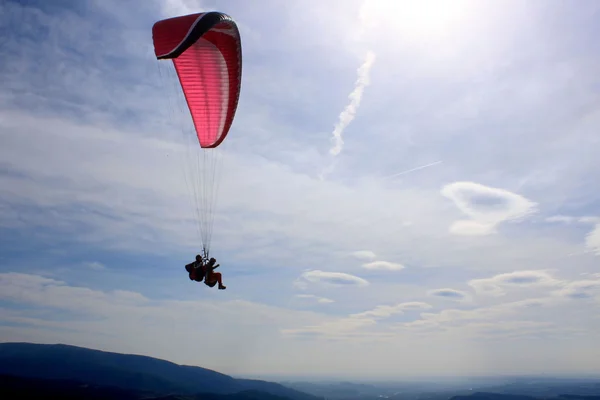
(414, 169)
(349, 112)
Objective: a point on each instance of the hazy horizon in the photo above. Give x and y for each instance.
(407, 190)
(383, 379)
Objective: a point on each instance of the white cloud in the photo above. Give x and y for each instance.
(472, 228)
(383, 265)
(561, 218)
(448, 293)
(385, 311)
(487, 206)
(95, 265)
(528, 319)
(592, 240)
(364, 254)
(338, 328)
(357, 325)
(583, 289)
(330, 278)
(323, 300)
(174, 8)
(510, 311)
(497, 285)
(567, 219)
(95, 196)
(126, 321)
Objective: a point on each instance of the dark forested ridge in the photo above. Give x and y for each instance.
(20, 388)
(127, 372)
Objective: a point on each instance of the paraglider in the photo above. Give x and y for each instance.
(203, 269)
(205, 50)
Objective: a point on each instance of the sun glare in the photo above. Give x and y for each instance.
(413, 18)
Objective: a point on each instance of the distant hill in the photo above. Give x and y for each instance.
(337, 390)
(500, 396)
(493, 396)
(477, 388)
(128, 372)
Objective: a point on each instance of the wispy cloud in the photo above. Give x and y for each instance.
(95, 265)
(584, 289)
(561, 218)
(592, 240)
(318, 299)
(385, 311)
(354, 325)
(567, 219)
(364, 254)
(511, 318)
(339, 328)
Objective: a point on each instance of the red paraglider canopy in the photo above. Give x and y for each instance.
(206, 51)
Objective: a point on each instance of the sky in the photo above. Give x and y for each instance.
(406, 190)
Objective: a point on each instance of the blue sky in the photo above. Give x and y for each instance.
(406, 191)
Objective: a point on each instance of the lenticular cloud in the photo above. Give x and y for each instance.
(487, 207)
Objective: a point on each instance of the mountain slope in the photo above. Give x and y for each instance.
(125, 371)
(20, 388)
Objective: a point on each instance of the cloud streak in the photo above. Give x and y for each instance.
(414, 169)
(318, 299)
(386, 311)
